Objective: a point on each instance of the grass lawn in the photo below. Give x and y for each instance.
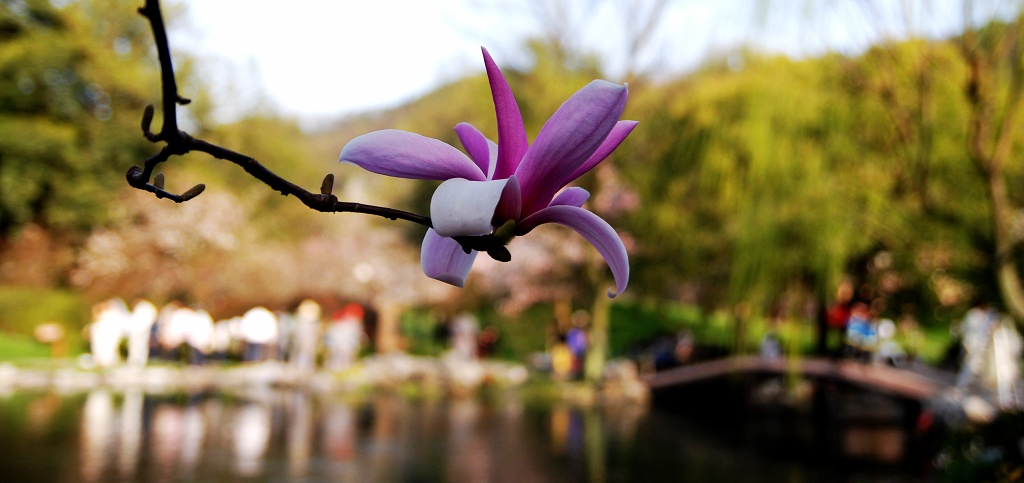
(18, 347)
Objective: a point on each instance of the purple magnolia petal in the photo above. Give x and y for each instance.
(618, 134)
(596, 231)
(511, 203)
(571, 196)
(476, 145)
(512, 142)
(404, 154)
(461, 207)
(567, 140)
(445, 260)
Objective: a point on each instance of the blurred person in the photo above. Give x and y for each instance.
(199, 336)
(344, 337)
(465, 330)
(306, 335)
(561, 360)
(976, 333)
(52, 334)
(860, 332)
(576, 339)
(661, 354)
(110, 318)
(837, 316)
(684, 348)
(138, 330)
(889, 350)
(488, 341)
(222, 338)
(258, 330)
(174, 333)
(285, 335)
(1005, 357)
(771, 346)
(168, 332)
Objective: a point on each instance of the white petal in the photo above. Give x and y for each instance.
(461, 207)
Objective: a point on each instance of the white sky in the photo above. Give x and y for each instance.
(322, 59)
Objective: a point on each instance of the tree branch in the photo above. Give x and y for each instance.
(177, 143)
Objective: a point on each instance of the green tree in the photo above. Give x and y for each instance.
(953, 127)
(73, 82)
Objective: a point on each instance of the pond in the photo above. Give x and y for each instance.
(296, 435)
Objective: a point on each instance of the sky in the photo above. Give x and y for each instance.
(318, 60)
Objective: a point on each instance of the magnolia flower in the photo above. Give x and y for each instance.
(509, 188)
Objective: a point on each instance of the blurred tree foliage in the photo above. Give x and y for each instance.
(73, 82)
(767, 180)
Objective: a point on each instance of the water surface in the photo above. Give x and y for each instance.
(293, 435)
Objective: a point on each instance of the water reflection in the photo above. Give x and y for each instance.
(300, 435)
(131, 433)
(250, 436)
(97, 434)
(165, 434)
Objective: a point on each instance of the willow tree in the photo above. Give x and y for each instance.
(994, 57)
(756, 194)
(954, 129)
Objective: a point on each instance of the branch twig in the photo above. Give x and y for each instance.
(177, 143)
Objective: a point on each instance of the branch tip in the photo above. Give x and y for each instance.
(177, 142)
(134, 175)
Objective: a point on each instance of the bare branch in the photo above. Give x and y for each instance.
(177, 143)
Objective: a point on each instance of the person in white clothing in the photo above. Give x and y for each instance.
(139, 327)
(976, 331)
(258, 329)
(199, 336)
(109, 321)
(306, 335)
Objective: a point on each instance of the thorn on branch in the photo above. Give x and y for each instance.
(158, 180)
